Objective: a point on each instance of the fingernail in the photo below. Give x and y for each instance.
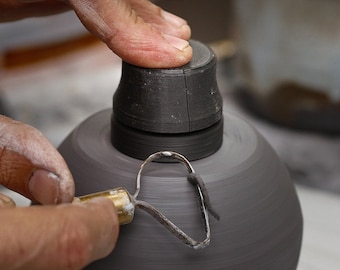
(44, 187)
(173, 19)
(178, 43)
(6, 201)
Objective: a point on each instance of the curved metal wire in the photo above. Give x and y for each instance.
(186, 239)
(159, 155)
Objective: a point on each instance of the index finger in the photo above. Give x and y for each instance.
(30, 164)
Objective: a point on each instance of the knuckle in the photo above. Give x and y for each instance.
(158, 10)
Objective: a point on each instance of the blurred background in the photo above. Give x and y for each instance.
(278, 65)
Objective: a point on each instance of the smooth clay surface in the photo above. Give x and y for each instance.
(261, 220)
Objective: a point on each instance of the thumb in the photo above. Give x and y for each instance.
(30, 165)
(138, 31)
(66, 236)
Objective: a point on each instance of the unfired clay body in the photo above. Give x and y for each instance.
(261, 222)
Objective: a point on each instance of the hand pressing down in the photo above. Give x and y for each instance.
(138, 31)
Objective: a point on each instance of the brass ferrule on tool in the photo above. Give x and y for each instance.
(121, 198)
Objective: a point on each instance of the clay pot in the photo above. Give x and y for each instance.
(260, 224)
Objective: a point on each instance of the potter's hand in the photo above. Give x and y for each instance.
(31, 166)
(66, 236)
(136, 30)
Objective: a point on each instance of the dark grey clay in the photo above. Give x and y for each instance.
(260, 224)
